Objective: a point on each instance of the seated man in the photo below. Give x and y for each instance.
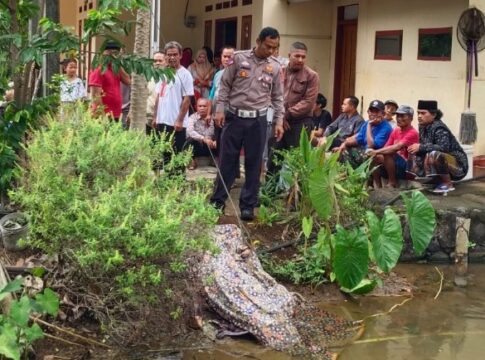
(200, 132)
(390, 107)
(438, 156)
(321, 118)
(348, 123)
(372, 135)
(394, 154)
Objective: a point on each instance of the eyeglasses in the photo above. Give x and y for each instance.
(374, 115)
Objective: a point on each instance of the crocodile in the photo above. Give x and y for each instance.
(238, 289)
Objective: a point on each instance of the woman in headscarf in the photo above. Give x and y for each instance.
(202, 73)
(186, 59)
(438, 156)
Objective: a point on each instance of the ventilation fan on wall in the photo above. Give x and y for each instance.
(470, 33)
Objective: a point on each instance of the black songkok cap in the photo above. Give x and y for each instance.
(430, 105)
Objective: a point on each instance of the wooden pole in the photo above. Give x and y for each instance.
(461, 250)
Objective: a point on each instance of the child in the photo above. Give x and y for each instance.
(72, 88)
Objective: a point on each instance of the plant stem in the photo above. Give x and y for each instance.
(61, 339)
(91, 341)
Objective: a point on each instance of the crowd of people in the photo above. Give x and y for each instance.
(257, 102)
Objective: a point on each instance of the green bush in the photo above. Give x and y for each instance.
(93, 198)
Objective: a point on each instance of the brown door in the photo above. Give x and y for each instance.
(208, 33)
(226, 33)
(345, 54)
(246, 23)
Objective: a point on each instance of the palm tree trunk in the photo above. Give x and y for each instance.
(51, 61)
(139, 93)
(14, 55)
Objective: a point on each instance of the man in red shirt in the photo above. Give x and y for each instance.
(105, 86)
(394, 154)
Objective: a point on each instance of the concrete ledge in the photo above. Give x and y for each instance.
(468, 201)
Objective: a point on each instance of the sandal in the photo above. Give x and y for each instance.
(193, 165)
(443, 188)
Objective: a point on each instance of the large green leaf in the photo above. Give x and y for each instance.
(364, 287)
(20, 311)
(421, 220)
(48, 302)
(324, 244)
(11, 287)
(351, 259)
(33, 333)
(386, 238)
(321, 193)
(307, 226)
(8, 342)
(305, 146)
(317, 158)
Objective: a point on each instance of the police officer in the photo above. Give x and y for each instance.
(247, 88)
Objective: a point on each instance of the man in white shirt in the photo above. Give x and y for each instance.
(173, 101)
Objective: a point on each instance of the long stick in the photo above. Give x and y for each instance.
(91, 341)
(394, 307)
(61, 339)
(441, 283)
(475, 56)
(406, 337)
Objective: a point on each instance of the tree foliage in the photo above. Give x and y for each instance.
(22, 57)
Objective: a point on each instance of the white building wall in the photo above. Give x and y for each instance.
(173, 27)
(410, 79)
(478, 92)
(309, 22)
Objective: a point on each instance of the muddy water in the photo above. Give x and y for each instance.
(448, 328)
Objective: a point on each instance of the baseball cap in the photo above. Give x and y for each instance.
(376, 104)
(405, 109)
(391, 102)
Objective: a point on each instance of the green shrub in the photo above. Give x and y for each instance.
(94, 199)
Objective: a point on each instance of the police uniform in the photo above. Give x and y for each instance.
(247, 88)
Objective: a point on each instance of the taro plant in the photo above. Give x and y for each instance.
(330, 198)
(317, 182)
(380, 241)
(17, 331)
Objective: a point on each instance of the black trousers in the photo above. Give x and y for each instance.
(178, 138)
(237, 133)
(178, 143)
(291, 138)
(199, 148)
